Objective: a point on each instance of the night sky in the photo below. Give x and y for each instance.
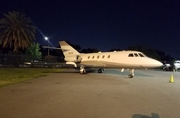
(104, 24)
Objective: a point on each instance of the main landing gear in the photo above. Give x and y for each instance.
(101, 70)
(82, 70)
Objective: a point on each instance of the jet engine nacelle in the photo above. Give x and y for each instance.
(75, 58)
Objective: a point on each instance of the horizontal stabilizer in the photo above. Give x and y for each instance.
(51, 47)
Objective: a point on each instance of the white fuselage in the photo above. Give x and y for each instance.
(120, 59)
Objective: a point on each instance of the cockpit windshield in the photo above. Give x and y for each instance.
(130, 55)
(136, 55)
(141, 55)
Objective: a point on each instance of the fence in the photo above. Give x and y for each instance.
(17, 60)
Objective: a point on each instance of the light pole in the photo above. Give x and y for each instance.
(46, 38)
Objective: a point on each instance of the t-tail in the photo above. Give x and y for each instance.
(71, 55)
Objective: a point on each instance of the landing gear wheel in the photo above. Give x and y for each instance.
(82, 71)
(130, 76)
(100, 70)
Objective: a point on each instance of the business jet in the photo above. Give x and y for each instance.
(121, 60)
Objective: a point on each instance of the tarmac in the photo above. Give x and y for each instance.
(108, 95)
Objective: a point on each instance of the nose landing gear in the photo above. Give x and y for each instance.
(131, 74)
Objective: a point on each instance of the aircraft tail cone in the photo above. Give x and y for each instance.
(171, 79)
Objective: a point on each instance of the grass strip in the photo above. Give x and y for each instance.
(15, 75)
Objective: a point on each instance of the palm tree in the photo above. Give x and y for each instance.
(16, 31)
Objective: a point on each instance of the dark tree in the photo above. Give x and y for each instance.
(33, 53)
(16, 31)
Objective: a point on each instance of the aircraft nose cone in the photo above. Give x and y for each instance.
(158, 63)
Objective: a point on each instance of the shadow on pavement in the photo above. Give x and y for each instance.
(153, 115)
(77, 71)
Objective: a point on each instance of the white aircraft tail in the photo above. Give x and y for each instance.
(71, 55)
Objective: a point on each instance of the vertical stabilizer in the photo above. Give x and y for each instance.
(67, 49)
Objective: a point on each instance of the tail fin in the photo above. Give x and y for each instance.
(67, 49)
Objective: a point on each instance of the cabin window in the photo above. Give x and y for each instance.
(135, 54)
(93, 57)
(130, 55)
(88, 57)
(108, 56)
(103, 56)
(97, 57)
